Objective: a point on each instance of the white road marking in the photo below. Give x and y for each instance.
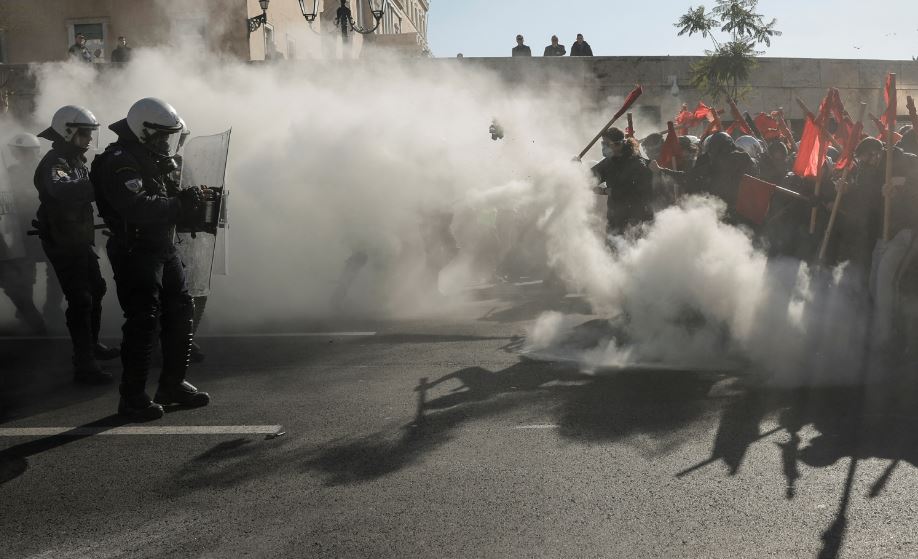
(292, 335)
(143, 430)
(539, 426)
(244, 335)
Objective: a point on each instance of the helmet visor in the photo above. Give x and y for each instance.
(86, 137)
(164, 143)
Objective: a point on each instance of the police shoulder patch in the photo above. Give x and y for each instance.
(134, 185)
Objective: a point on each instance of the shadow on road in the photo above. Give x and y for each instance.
(14, 460)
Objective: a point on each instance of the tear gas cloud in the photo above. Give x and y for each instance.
(330, 160)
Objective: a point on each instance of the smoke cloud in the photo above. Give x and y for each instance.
(332, 160)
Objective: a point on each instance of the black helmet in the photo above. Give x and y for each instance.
(868, 145)
(717, 144)
(688, 143)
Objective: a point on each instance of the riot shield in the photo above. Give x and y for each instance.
(12, 229)
(204, 164)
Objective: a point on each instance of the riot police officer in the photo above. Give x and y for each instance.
(133, 198)
(18, 204)
(66, 228)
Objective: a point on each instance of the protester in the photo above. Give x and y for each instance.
(123, 52)
(555, 48)
(581, 47)
(717, 171)
(78, 50)
(627, 182)
(521, 49)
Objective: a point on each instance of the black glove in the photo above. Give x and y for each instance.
(191, 200)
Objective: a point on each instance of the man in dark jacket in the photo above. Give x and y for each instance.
(581, 47)
(142, 213)
(521, 49)
(555, 48)
(65, 223)
(629, 183)
(78, 50)
(123, 52)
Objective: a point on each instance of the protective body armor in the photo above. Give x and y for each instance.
(151, 228)
(64, 222)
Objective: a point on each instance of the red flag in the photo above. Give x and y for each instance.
(703, 112)
(715, 124)
(769, 126)
(754, 199)
(632, 97)
(671, 151)
(888, 118)
(814, 143)
(738, 120)
(812, 151)
(685, 120)
(847, 156)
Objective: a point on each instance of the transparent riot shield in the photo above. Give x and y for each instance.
(204, 164)
(12, 224)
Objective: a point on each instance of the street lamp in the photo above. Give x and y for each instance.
(257, 21)
(344, 19)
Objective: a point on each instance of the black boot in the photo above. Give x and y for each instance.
(139, 407)
(105, 353)
(86, 370)
(182, 394)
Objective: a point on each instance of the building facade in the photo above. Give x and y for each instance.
(34, 31)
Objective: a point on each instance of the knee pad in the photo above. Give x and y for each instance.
(140, 323)
(180, 308)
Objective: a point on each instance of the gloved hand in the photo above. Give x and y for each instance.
(191, 200)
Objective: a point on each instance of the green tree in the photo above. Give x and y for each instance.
(725, 68)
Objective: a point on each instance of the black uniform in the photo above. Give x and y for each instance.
(66, 226)
(629, 186)
(860, 220)
(132, 195)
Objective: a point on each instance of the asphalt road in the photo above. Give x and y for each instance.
(435, 438)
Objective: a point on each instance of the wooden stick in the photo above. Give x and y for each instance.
(838, 196)
(887, 209)
(639, 91)
(630, 129)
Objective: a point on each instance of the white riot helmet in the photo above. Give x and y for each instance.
(751, 146)
(70, 120)
(157, 126)
(24, 147)
(24, 141)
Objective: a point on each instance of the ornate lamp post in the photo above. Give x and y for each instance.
(344, 19)
(258, 21)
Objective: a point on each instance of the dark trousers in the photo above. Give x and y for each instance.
(77, 270)
(152, 292)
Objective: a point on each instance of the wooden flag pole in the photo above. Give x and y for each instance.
(638, 91)
(862, 110)
(887, 208)
(630, 130)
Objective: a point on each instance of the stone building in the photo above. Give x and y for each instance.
(42, 30)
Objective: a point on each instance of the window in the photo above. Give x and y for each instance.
(96, 33)
(270, 45)
(2, 48)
